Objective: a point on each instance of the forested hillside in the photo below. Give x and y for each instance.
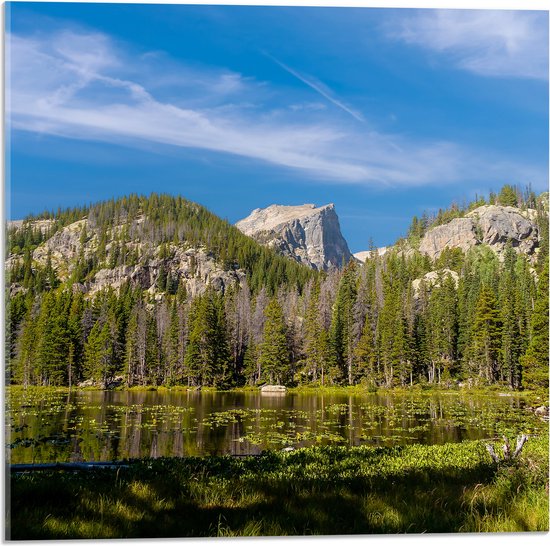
(158, 291)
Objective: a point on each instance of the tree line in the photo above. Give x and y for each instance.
(374, 324)
(367, 324)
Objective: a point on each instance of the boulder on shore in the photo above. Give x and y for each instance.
(541, 411)
(270, 389)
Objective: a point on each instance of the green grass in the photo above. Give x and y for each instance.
(325, 490)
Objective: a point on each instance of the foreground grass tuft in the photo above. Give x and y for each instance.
(328, 490)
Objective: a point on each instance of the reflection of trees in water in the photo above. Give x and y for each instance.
(351, 422)
(154, 452)
(76, 453)
(134, 450)
(114, 425)
(177, 450)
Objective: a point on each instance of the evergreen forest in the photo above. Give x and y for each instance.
(482, 320)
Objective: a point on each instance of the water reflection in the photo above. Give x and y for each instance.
(113, 425)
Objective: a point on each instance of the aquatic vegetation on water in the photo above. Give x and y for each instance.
(54, 424)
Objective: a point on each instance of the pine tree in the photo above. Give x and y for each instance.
(487, 332)
(508, 196)
(442, 327)
(511, 318)
(392, 325)
(525, 295)
(153, 355)
(365, 355)
(96, 351)
(419, 348)
(16, 311)
(24, 365)
(162, 278)
(75, 340)
(50, 274)
(223, 377)
(314, 359)
(535, 360)
(172, 283)
(206, 357)
(135, 354)
(51, 342)
(100, 351)
(341, 332)
(174, 348)
(273, 352)
(250, 363)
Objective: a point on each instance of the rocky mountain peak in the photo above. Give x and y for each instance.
(309, 234)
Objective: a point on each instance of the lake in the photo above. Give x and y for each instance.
(47, 425)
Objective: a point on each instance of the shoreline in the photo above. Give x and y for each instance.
(356, 390)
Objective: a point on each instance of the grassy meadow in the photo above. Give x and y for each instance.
(311, 491)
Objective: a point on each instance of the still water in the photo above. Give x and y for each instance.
(46, 425)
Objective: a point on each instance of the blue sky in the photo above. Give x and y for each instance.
(384, 112)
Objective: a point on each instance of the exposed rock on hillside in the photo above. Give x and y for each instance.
(366, 254)
(42, 225)
(196, 269)
(64, 246)
(493, 225)
(309, 234)
(433, 279)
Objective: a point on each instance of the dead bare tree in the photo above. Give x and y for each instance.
(507, 454)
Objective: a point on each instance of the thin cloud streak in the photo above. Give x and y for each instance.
(318, 86)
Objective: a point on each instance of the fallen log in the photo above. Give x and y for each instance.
(91, 465)
(66, 466)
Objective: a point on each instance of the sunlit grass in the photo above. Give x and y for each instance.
(329, 490)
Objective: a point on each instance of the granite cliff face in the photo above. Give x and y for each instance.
(311, 235)
(493, 225)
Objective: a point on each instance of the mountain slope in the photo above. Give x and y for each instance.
(150, 241)
(495, 226)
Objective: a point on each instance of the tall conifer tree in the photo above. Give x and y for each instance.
(273, 354)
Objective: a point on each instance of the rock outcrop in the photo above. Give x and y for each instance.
(195, 268)
(64, 246)
(433, 279)
(42, 225)
(493, 225)
(366, 254)
(309, 234)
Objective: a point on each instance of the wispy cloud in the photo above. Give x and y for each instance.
(489, 43)
(83, 86)
(320, 87)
